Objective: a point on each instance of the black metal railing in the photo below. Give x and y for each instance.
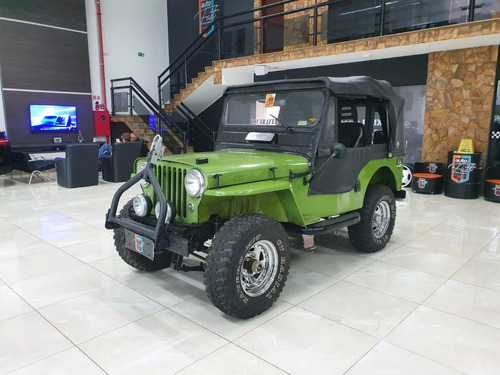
(197, 122)
(333, 21)
(128, 97)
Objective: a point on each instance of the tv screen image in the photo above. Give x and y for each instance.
(53, 117)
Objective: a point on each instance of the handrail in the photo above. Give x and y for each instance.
(189, 51)
(200, 124)
(150, 103)
(217, 20)
(218, 26)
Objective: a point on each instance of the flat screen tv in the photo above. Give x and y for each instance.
(60, 118)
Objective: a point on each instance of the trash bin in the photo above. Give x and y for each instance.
(463, 175)
(492, 184)
(427, 178)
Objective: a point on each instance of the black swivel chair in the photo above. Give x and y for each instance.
(119, 166)
(79, 167)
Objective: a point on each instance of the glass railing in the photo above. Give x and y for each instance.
(266, 29)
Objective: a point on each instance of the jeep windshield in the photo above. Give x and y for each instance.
(288, 109)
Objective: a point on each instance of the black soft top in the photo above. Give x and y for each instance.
(355, 86)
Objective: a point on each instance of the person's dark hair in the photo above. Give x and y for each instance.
(126, 137)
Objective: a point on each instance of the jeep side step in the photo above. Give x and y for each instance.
(326, 226)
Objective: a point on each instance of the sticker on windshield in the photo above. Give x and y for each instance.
(270, 100)
(263, 121)
(302, 123)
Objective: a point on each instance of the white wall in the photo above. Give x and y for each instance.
(129, 27)
(2, 114)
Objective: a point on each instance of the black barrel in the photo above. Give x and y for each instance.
(463, 175)
(427, 178)
(492, 184)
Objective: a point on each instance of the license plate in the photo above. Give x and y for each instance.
(139, 244)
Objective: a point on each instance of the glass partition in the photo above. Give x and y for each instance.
(486, 9)
(349, 20)
(407, 15)
(414, 111)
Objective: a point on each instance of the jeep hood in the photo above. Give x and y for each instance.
(237, 166)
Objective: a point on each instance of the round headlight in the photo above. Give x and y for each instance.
(194, 183)
(170, 212)
(142, 204)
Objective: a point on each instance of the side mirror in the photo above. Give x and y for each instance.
(338, 151)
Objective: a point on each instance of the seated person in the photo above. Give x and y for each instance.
(144, 148)
(106, 149)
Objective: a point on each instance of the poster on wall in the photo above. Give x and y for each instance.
(207, 11)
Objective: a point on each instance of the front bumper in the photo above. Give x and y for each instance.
(155, 230)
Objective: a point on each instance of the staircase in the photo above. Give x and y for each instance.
(139, 125)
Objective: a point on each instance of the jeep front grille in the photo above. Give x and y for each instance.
(171, 180)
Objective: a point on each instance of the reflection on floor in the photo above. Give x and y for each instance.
(427, 304)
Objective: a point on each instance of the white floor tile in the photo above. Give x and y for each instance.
(39, 264)
(166, 287)
(11, 304)
(70, 237)
(453, 241)
(397, 281)
(480, 272)
(59, 286)
(302, 284)
(231, 360)
(300, 342)
(389, 359)
(116, 268)
(453, 341)
(429, 260)
(18, 242)
(163, 343)
(92, 251)
(468, 301)
(201, 311)
(93, 314)
(71, 361)
(360, 308)
(26, 339)
(431, 295)
(330, 262)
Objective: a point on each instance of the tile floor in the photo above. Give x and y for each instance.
(427, 304)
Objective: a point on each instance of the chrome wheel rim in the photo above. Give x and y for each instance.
(381, 219)
(258, 268)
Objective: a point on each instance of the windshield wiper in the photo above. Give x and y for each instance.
(288, 127)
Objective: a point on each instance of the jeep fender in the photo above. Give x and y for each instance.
(273, 198)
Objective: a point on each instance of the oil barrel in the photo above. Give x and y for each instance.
(463, 175)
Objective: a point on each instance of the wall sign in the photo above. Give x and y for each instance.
(207, 12)
(461, 168)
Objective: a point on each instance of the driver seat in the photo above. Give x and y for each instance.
(350, 134)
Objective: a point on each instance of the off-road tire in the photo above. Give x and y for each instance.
(378, 216)
(229, 260)
(161, 260)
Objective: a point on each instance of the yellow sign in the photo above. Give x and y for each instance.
(270, 100)
(466, 146)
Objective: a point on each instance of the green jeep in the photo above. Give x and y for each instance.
(305, 156)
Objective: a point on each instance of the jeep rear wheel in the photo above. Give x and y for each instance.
(378, 217)
(161, 260)
(247, 265)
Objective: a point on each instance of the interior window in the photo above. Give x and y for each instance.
(380, 134)
(351, 120)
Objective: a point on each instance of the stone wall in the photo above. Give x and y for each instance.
(299, 27)
(460, 91)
